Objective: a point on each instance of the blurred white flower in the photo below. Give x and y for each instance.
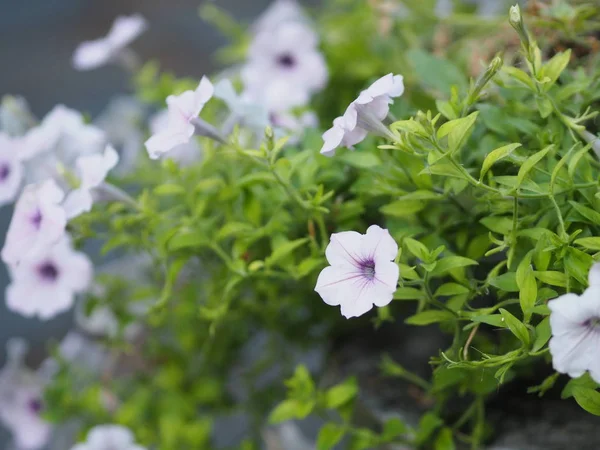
(364, 115)
(183, 154)
(93, 54)
(45, 285)
(109, 437)
(122, 122)
(15, 116)
(279, 12)
(575, 324)
(38, 221)
(183, 111)
(284, 67)
(243, 110)
(91, 172)
(21, 400)
(11, 168)
(362, 271)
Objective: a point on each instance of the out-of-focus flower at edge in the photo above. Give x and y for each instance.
(11, 168)
(183, 154)
(45, 285)
(38, 222)
(575, 324)
(183, 109)
(279, 12)
(21, 400)
(15, 116)
(93, 54)
(364, 115)
(362, 271)
(91, 172)
(243, 110)
(113, 437)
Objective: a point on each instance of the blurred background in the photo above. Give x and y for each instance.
(37, 40)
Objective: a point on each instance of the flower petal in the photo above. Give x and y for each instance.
(345, 249)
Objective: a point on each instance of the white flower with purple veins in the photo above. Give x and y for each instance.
(46, 284)
(38, 222)
(183, 154)
(11, 168)
(183, 111)
(113, 47)
(109, 437)
(362, 271)
(21, 403)
(364, 115)
(91, 172)
(575, 324)
(284, 67)
(280, 11)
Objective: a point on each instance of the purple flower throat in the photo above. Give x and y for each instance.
(367, 268)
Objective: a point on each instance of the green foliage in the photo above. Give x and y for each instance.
(487, 187)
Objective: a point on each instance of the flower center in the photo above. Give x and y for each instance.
(593, 323)
(368, 269)
(36, 219)
(35, 405)
(4, 172)
(286, 60)
(48, 271)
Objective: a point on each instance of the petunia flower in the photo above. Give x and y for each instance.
(38, 222)
(45, 285)
(243, 110)
(279, 12)
(575, 324)
(364, 115)
(362, 271)
(284, 67)
(93, 54)
(183, 120)
(11, 168)
(91, 172)
(21, 400)
(113, 437)
(183, 154)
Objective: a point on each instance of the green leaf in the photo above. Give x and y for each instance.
(284, 250)
(429, 317)
(329, 435)
(494, 320)
(527, 286)
(427, 425)
(495, 156)
(186, 238)
(169, 189)
(501, 225)
(506, 282)
(552, 278)
(403, 208)
(409, 126)
(234, 229)
(553, 68)
(361, 159)
(577, 264)
(444, 440)
(542, 334)
(408, 293)
(530, 163)
(341, 394)
(588, 399)
(286, 410)
(436, 73)
(591, 243)
(585, 382)
(520, 76)
(393, 428)
(588, 213)
(516, 326)
(448, 263)
(450, 289)
(458, 131)
(417, 249)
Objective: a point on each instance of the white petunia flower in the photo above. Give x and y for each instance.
(91, 172)
(575, 324)
(243, 110)
(93, 54)
(46, 284)
(279, 12)
(109, 437)
(364, 115)
(38, 222)
(11, 168)
(183, 154)
(284, 67)
(183, 110)
(21, 400)
(362, 271)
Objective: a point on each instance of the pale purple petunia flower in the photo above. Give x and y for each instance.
(109, 437)
(38, 222)
(364, 115)
(93, 54)
(183, 154)
(45, 285)
(21, 400)
(11, 168)
(575, 324)
(362, 271)
(279, 12)
(183, 112)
